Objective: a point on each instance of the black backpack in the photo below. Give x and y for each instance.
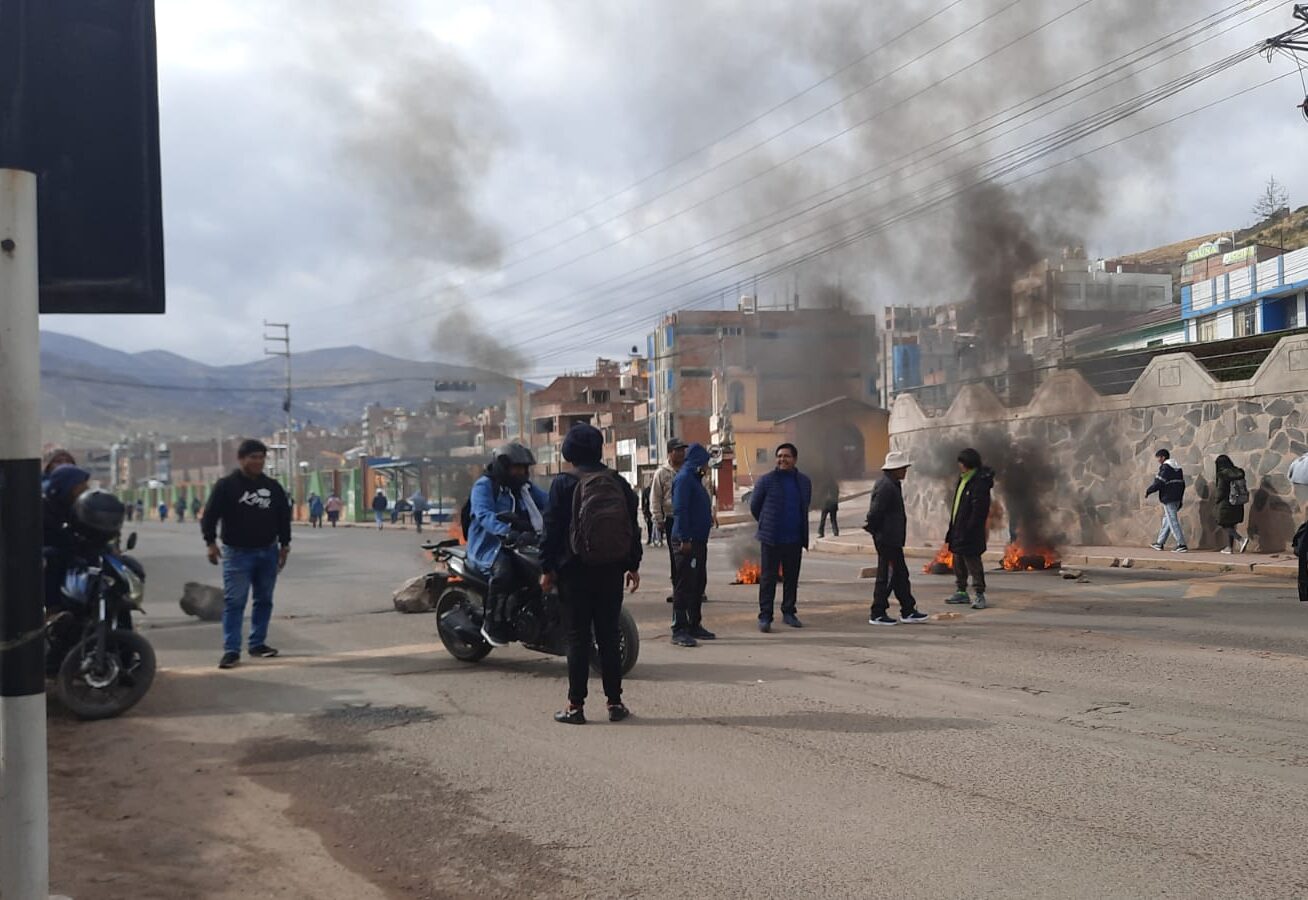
(601, 532)
(1238, 494)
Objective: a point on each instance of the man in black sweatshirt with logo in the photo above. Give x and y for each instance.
(256, 539)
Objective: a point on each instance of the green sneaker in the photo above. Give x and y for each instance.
(959, 597)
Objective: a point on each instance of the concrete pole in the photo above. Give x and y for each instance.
(24, 809)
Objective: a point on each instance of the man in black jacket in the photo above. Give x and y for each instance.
(966, 537)
(887, 522)
(591, 594)
(1169, 484)
(256, 521)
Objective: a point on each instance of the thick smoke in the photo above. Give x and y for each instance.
(1025, 483)
(415, 125)
(460, 336)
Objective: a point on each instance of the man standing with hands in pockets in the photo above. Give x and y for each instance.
(256, 539)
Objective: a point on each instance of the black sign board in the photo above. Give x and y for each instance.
(79, 105)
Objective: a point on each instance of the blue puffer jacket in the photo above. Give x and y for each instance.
(692, 508)
(780, 504)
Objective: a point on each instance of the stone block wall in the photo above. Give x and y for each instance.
(1084, 460)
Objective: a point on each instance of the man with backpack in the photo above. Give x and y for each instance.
(504, 503)
(692, 520)
(1169, 484)
(592, 545)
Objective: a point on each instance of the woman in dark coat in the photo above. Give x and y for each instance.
(1229, 514)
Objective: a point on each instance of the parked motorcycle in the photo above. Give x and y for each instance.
(100, 665)
(536, 620)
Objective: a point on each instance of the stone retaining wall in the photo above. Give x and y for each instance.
(1084, 460)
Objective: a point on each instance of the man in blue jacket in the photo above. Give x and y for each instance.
(780, 505)
(692, 520)
(505, 488)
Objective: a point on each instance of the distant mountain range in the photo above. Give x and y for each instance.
(92, 395)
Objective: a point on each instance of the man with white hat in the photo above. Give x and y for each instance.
(887, 522)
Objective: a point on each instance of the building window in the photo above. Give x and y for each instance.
(1246, 320)
(736, 398)
(1208, 328)
(761, 455)
(599, 396)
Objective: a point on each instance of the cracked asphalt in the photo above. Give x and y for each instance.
(1139, 735)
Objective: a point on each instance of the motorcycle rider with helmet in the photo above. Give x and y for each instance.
(59, 492)
(505, 488)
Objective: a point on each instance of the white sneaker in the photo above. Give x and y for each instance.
(1226, 550)
(1244, 544)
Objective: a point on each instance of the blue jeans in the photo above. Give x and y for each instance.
(246, 569)
(1171, 525)
(381, 517)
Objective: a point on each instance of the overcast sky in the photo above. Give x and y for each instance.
(363, 171)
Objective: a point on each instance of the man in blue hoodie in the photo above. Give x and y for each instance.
(692, 520)
(780, 505)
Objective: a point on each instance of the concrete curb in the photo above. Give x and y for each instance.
(1180, 563)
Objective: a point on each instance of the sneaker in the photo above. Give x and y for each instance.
(882, 620)
(1226, 550)
(682, 639)
(792, 620)
(229, 660)
(571, 715)
(1244, 544)
(618, 712)
(979, 602)
(494, 639)
(765, 625)
(263, 650)
(699, 632)
(915, 616)
(959, 597)
(1156, 546)
(1182, 549)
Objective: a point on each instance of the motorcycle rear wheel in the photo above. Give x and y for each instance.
(452, 598)
(129, 672)
(628, 644)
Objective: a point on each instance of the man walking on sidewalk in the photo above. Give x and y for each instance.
(829, 496)
(1169, 484)
(660, 499)
(256, 519)
(692, 520)
(887, 522)
(780, 505)
(968, 529)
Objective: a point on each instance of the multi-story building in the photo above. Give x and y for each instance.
(797, 357)
(611, 394)
(1251, 293)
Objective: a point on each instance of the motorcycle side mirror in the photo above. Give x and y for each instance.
(131, 541)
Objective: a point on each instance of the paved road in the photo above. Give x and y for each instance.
(1138, 735)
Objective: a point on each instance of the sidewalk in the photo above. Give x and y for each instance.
(1276, 565)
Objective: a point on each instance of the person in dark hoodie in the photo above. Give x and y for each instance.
(256, 541)
(1169, 484)
(887, 522)
(592, 544)
(779, 504)
(692, 520)
(1232, 494)
(60, 489)
(968, 517)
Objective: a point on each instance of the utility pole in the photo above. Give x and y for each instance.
(24, 800)
(284, 340)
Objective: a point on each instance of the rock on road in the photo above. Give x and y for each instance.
(1140, 735)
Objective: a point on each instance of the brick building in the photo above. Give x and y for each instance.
(610, 398)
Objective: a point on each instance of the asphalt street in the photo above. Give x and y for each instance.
(1138, 735)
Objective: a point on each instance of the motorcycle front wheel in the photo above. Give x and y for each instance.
(456, 601)
(628, 643)
(93, 690)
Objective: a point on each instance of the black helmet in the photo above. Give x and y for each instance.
(98, 514)
(504, 458)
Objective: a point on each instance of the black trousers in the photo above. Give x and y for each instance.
(829, 511)
(892, 575)
(1303, 579)
(504, 579)
(969, 565)
(592, 608)
(649, 529)
(672, 550)
(783, 560)
(691, 578)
